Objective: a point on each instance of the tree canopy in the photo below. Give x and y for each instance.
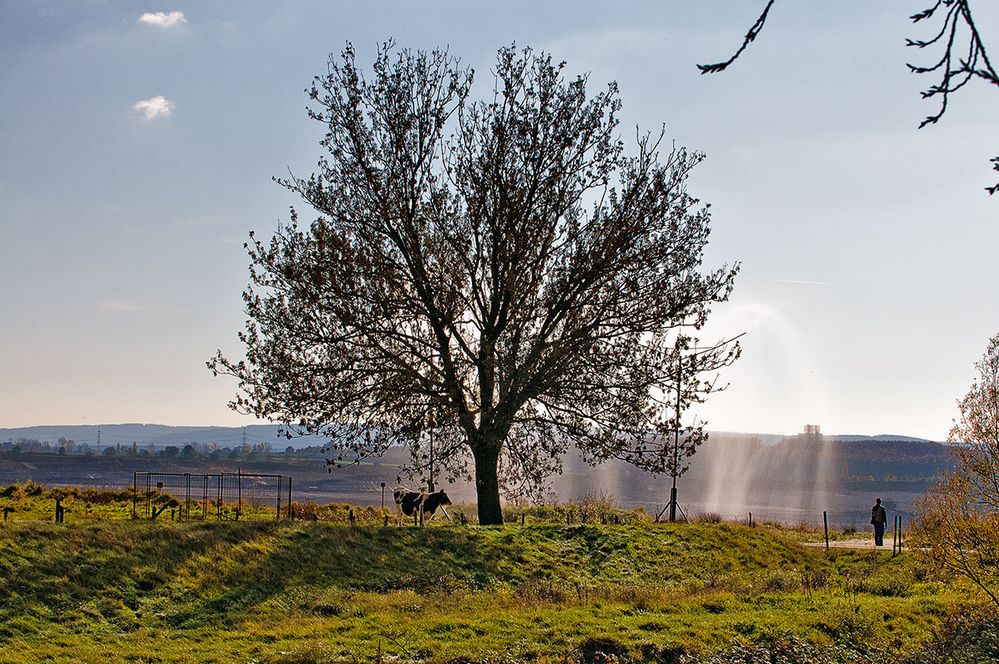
(500, 272)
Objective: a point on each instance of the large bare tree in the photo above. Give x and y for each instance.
(498, 271)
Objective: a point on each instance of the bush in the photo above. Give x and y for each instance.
(848, 625)
(338, 513)
(888, 587)
(31, 489)
(781, 581)
(600, 651)
(786, 650)
(959, 514)
(964, 637)
(590, 509)
(707, 517)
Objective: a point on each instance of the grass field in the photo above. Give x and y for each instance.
(105, 589)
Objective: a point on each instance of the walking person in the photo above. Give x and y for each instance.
(879, 517)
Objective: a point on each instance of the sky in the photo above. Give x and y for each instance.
(139, 142)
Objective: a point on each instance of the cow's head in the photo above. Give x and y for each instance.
(444, 500)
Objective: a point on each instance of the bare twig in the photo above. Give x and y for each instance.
(750, 36)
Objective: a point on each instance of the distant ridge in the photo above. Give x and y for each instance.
(162, 435)
(774, 438)
(159, 435)
(851, 438)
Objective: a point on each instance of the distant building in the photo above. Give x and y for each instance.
(811, 434)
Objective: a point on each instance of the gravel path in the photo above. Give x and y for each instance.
(854, 544)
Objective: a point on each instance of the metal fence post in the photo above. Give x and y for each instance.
(825, 523)
(277, 514)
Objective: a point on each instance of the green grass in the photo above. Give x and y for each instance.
(106, 590)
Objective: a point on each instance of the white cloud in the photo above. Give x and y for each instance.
(163, 19)
(120, 306)
(154, 107)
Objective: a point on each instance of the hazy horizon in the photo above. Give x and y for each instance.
(713, 432)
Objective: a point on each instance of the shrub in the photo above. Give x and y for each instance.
(707, 517)
(963, 637)
(781, 581)
(592, 508)
(848, 625)
(959, 514)
(369, 515)
(545, 591)
(786, 650)
(600, 651)
(888, 586)
(812, 580)
(31, 489)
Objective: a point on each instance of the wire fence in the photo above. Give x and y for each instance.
(838, 520)
(211, 496)
(243, 496)
(836, 517)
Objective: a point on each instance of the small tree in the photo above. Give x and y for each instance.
(498, 272)
(959, 518)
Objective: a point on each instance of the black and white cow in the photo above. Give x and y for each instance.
(410, 503)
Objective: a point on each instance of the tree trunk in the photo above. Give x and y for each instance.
(486, 456)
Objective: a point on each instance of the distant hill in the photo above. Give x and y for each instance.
(881, 436)
(159, 435)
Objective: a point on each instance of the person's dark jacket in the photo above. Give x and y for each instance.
(878, 514)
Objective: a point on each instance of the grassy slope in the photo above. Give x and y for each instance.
(315, 592)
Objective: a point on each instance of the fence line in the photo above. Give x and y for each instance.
(224, 496)
(255, 496)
